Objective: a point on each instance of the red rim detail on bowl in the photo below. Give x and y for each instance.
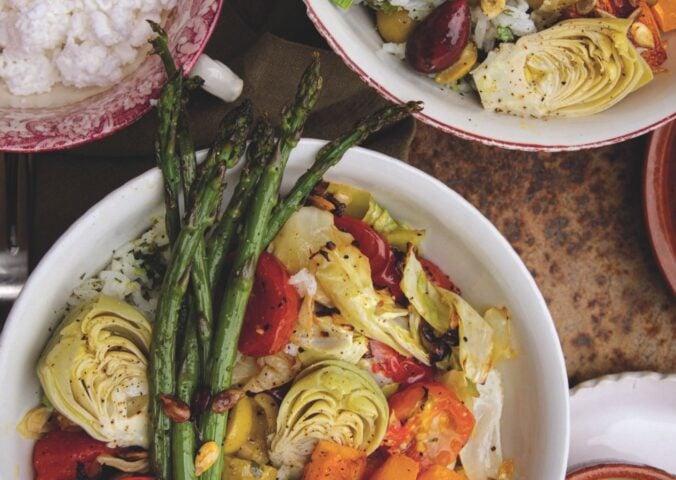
(659, 199)
(535, 147)
(43, 129)
(619, 471)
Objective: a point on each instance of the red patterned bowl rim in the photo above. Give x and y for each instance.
(445, 127)
(196, 21)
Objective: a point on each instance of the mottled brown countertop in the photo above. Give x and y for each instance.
(576, 220)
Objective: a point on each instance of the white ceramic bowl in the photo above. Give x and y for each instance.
(352, 35)
(459, 239)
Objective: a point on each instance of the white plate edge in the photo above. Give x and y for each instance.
(620, 377)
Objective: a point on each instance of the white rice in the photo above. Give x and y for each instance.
(514, 17)
(396, 49)
(417, 9)
(132, 273)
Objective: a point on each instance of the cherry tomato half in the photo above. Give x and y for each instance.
(57, 454)
(396, 366)
(272, 310)
(438, 276)
(385, 271)
(428, 423)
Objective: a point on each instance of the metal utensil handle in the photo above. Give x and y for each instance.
(14, 255)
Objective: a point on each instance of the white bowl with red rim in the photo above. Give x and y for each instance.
(353, 36)
(189, 26)
(535, 421)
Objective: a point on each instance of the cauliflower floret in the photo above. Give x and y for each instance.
(103, 5)
(126, 53)
(27, 74)
(81, 43)
(122, 18)
(141, 31)
(43, 25)
(7, 20)
(103, 29)
(86, 64)
(19, 4)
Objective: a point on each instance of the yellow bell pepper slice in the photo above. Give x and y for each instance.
(240, 422)
(459, 69)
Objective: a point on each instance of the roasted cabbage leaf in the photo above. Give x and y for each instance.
(304, 234)
(476, 340)
(325, 337)
(344, 274)
(482, 455)
(425, 296)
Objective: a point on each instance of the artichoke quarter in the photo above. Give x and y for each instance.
(577, 67)
(330, 400)
(94, 371)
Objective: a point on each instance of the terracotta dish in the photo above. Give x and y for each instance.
(619, 471)
(659, 202)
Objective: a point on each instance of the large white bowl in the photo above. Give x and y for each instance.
(352, 35)
(461, 240)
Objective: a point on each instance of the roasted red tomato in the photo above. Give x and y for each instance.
(428, 423)
(272, 310)
(385, 272)
(438, 276)
(57, 454)
(396, 366)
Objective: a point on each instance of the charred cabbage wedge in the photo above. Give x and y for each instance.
(484, 340)
(330, 400)
(305, 232)
(482, 455)
(344, 274)
(577, 67)
(325, 337)
(427, 299)
(93, 371)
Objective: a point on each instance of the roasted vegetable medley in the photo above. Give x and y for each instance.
(537, 58)
(299, 336)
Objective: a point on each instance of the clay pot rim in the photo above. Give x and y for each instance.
(610, 471)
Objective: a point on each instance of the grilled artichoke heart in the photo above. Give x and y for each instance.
(330, 400)
(577, 67)
(93, 371)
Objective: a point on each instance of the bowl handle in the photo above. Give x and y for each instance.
(219, 80)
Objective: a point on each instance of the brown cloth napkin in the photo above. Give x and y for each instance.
(248, 39)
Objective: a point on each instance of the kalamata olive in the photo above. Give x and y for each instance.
(438, 41)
